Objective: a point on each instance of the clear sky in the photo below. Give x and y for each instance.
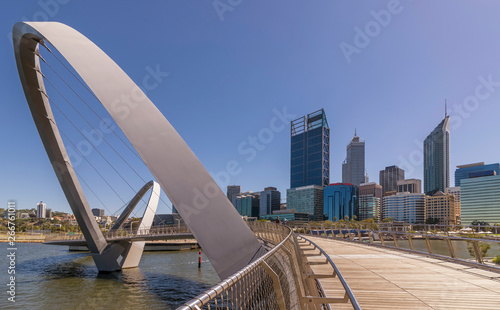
(382, 67)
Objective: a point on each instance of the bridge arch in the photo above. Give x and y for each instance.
(218, 228)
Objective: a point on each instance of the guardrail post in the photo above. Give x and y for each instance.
(411, 243)
(477, 251)
(395, 240)
(429, 247)
(370, 236)
(450, 248)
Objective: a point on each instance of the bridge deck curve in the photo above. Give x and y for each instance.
(389, 279)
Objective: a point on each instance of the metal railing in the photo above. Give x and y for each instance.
(349, 296)
(280, 279)
(162, 230)
(461, 249)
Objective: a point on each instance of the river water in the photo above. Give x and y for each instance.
(51, 277)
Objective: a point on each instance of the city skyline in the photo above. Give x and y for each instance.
(312, 72)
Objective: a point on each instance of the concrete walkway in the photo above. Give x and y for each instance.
(389, 279)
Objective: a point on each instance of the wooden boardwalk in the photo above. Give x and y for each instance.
(389, 279)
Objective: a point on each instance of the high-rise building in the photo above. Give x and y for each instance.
(233, 190)
(441, 208)
(410, 186)
(340, 201)
(454, 191)
(464, 171)
(437, 158)
(270, 200)
(389, 178)
(247, 204)
(404, 207)
(310, 150)
(353, 167)
(306, 199)
(369, 207)
(480, 199)
(41, 210)
(371, 188)
(98, 212)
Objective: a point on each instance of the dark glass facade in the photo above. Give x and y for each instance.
(437, 158)
(389, 178)
(474, 170)
(340, 200)
(270, 200)
(310, 150)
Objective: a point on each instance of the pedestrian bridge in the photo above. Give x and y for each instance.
(382, 278)
(358, 269)
(163, 232)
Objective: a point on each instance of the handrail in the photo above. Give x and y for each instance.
(352, 298)
(475, 243)
(282, 278)
(205, 297)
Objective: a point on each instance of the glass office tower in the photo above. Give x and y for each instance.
(389, 178)
(437, 158)
(480, 199)
(310, 150)
(353, 168)
(340, 201)
(464, 171)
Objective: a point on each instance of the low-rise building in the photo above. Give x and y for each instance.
(441, 209)
(306, 199)
(405, 207)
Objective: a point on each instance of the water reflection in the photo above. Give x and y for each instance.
(49, 277)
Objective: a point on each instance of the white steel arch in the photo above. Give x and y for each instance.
(219, 229)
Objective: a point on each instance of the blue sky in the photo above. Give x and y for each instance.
(383, 67)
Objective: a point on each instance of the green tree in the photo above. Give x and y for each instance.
(431, 220)
(483, 248)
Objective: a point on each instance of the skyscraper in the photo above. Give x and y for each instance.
(437, 158)
(353, 168)
(389, 178)
(270, 200)
(310, 150)
(233, 190)
(41, 210)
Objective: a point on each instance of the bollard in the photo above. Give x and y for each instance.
(199, 260)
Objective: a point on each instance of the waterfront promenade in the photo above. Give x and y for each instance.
(389, 279)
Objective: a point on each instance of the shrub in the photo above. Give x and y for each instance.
(496, 260)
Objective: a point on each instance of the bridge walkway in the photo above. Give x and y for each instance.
(390, 279)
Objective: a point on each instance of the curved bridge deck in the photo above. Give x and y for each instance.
(389, 279)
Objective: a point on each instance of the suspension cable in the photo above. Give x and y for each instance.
(98, 132)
